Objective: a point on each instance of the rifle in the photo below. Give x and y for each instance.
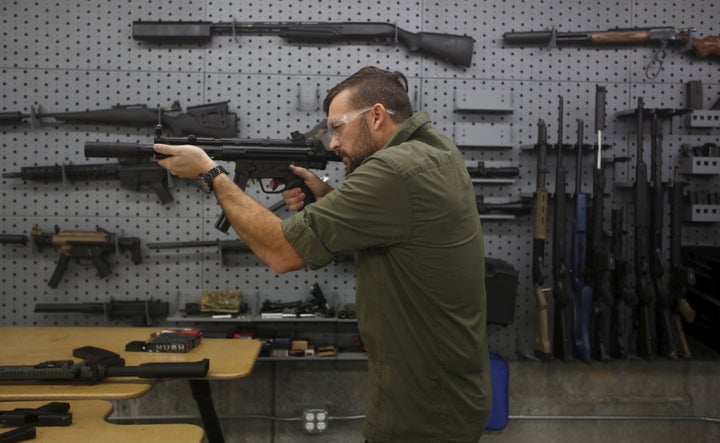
(540, 206)
(681, 275)
(562, 343)
(456, 49)
(134, 174)
(141, 312)
(646, 344)
(225, 247)
(209, 120)
(254, 158)
(623, 297)
(582, 293)
(663, 301)
(664, 36)
(480, 170)
(90, 245)
(602, 262)
(97, 365)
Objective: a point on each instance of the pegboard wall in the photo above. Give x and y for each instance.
(68, 56)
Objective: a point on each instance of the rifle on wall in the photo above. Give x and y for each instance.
(663, 298)
(682, 276)
(562, 322)
(225, 247)
(582, 293)
(602, 262)
(85, 245)
(209, 120)
(624, 300)
(142, 312)
(455, 49)
(133, 174)
(662, 36)
(543, 348)
(646, 337)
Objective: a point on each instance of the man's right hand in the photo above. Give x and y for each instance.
(294, 198)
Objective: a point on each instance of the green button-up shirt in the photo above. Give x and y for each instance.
(409, 214)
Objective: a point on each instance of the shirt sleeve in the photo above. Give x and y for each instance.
(370, 209)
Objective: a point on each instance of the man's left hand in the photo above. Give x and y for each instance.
(184, 161)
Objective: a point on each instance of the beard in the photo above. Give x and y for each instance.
(362, 147)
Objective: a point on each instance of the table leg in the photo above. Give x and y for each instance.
(203, 397)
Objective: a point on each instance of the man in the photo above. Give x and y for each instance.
(407, 209)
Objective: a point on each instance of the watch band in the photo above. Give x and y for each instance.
(206, 179)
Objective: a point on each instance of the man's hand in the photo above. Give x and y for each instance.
(294, 198)
(184, 161)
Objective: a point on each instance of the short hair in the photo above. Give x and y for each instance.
(372, 85)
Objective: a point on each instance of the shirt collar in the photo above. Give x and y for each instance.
(408, 128)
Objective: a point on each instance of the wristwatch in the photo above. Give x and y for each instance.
(206, 180)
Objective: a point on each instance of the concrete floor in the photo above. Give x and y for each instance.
(550, 401)
(621, 401)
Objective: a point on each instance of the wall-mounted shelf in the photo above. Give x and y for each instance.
(483, 135)
(479, 100)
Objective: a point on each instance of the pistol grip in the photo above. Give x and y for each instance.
(102, 267)
(293, 181)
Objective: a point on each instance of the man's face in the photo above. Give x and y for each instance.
(352, 135)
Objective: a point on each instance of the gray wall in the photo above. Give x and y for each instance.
(61, 56)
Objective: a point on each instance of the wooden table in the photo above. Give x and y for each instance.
(27, 346)
(89, 424)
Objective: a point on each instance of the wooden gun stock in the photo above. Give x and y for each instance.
(706, 46)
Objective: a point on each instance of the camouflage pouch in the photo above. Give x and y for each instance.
(221, 301)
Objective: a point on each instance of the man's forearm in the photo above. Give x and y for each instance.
(257, 226)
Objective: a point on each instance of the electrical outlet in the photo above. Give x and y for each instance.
(315, 421)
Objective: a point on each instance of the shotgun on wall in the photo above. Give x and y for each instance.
(455, 49)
